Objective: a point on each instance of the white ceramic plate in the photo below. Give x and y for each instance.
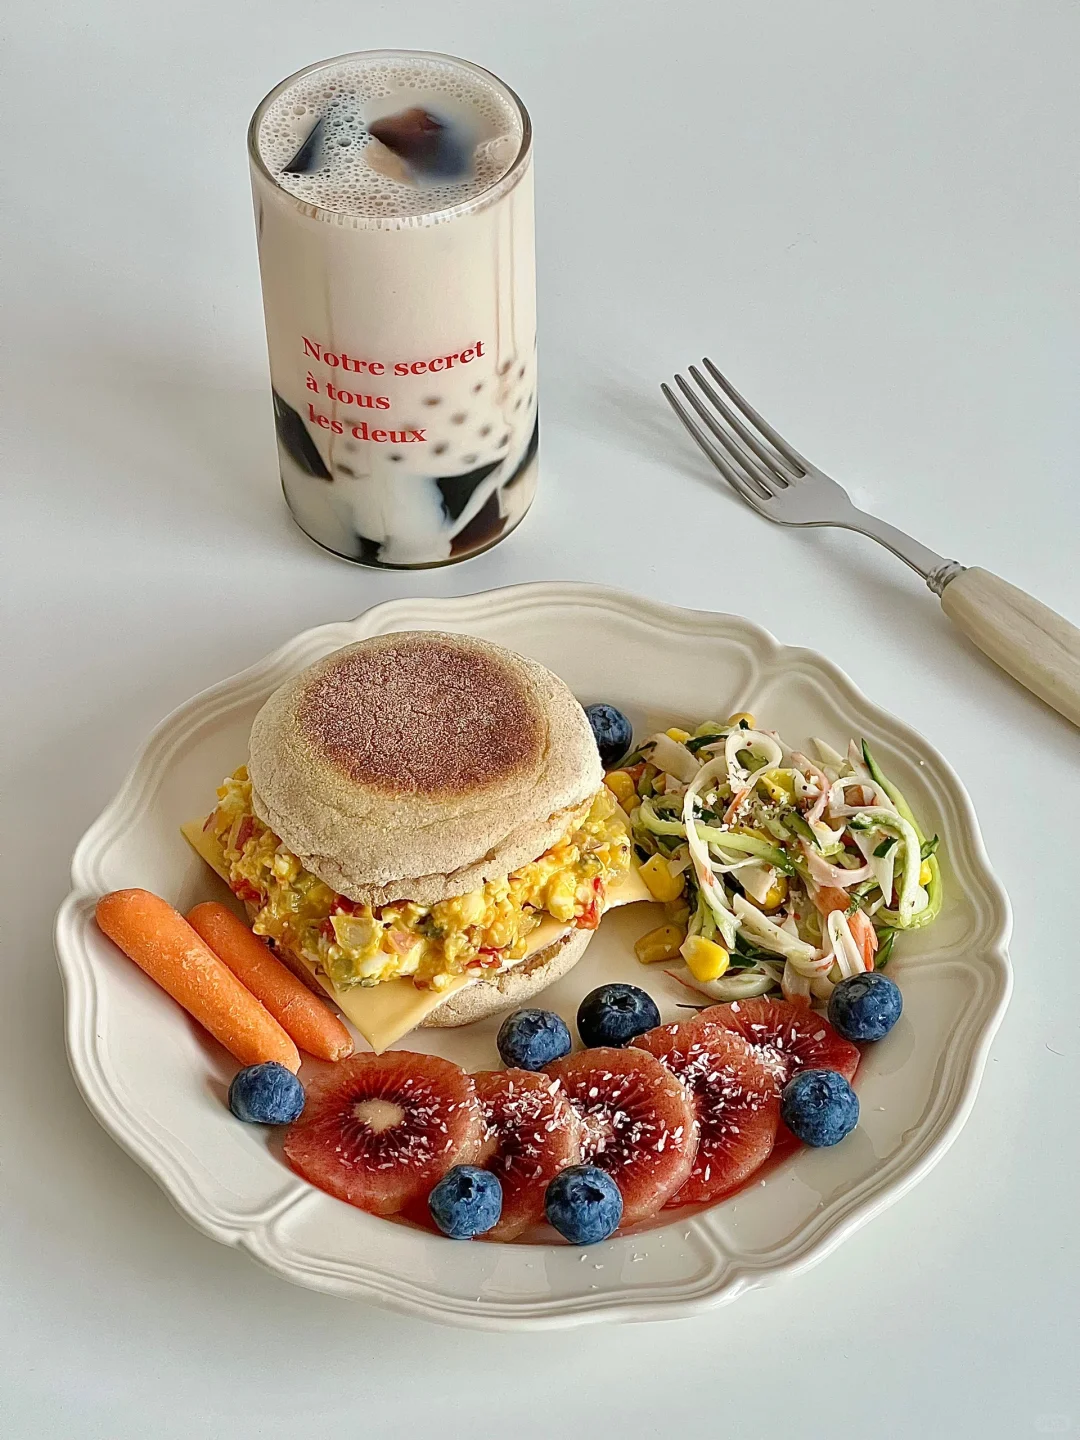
(157, 1083)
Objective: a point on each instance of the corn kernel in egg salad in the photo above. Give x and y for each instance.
(356, 944)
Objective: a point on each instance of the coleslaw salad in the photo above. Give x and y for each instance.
(779, 872)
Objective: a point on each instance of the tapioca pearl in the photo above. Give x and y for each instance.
(504, 441)
(469, 459)
(432, 399)
(344, 469)
(506, 367)
(521, 373)
(441, 448)
(517, 403)
(395, 458)
(484, 431)
(459, 418)
(478, 387)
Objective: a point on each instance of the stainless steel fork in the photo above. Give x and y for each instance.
(1033, 643)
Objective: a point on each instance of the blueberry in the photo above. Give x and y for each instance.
(613, 731)
(615, 1014)
(866, 1006)
(531, 1039)
(467, 1201)
(583, 1204)
(266, 1094)
(819, 1106)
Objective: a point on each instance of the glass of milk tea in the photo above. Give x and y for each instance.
(394, 211)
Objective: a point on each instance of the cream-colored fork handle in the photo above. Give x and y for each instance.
(1033, 643)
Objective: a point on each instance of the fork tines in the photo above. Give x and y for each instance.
(754, 460)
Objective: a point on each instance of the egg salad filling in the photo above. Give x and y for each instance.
(483, 930)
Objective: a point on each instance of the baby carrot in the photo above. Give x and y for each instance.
(161, 942)
(303, 1015)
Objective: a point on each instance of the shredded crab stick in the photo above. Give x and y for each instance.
(802, 871)
(300, 1013)
(161, 942)
(711, 888)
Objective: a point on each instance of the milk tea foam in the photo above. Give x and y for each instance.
(394, 210)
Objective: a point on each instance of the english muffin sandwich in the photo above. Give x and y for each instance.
(423, 827)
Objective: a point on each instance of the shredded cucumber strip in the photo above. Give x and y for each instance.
(934, 890)
(894, 823)
(731, 840)
(749, 845)
(756, 743)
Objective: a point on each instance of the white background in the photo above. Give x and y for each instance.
(867, 213)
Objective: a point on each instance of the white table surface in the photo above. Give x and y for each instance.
(867, 213)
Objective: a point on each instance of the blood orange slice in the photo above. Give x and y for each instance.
(738, 1109)
(787, 1038)
(533, 1133)
(639, 1123)
(380, 1130)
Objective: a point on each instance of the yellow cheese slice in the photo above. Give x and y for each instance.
(384, 1013)
(629, 889)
